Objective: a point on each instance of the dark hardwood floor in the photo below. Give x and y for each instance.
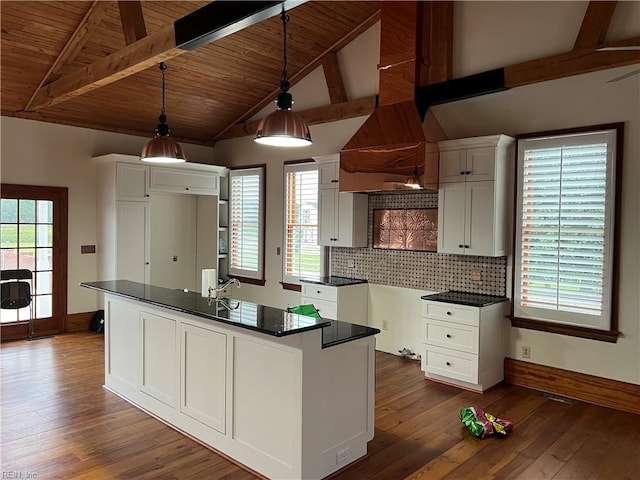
(59, 423)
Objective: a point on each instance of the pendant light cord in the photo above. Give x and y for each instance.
(284, 83)
(163, 115)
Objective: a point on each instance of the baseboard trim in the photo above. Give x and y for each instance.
(78, 322)
(579, 386)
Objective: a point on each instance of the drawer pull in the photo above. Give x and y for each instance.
(448, 313)
(317, 291)
(448, 335)
(448, 364)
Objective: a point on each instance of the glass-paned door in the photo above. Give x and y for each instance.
(26, 242)
(33, 236)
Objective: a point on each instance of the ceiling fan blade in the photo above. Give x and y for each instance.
(626, 75)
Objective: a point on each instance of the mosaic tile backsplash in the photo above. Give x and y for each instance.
(419, 270)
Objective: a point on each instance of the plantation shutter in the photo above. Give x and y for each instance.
(565, 241)
(303, 255)
(245, 223)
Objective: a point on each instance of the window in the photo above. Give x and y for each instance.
(303, 257)
(565, 229)
(246, 223)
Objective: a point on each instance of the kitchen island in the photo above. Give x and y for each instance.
(288, 396)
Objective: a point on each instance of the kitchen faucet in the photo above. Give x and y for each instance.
(213, 294)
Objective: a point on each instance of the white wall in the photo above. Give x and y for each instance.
(38, 153)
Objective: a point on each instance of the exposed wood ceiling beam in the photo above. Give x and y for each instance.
(328, 113)
(440, 43)
(293, 79)
(595, 24)
(335, 85)
(566, 64)
(627, 42)
(92, 18)
(132, 20)
(131, 59)
(43, 116)
(158, 47)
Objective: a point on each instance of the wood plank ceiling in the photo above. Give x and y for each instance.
(94, 63)
(208, 89)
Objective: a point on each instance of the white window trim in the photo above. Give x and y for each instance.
(288, 168)
(604, 321)
(239, 272)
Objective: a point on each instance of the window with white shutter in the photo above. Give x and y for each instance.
(564, 229)
(246, 223)
(303, 257)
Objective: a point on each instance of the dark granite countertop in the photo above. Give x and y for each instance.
(465, 298)
(341, 332)
(259, 318)
(334, 281)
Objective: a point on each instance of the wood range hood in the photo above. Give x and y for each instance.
(397, 138)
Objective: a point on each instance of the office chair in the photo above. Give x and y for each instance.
(15, 291)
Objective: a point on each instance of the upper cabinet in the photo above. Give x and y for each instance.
(177, 180)
(472, 195)
(132, 182)
(342, 217)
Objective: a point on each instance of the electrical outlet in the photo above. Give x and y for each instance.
(342, 455)
(351, 263)
(385, 324)
(526, 352)
(476, 275)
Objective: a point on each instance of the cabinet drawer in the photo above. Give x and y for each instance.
(450, 364)
(451, 312)
(321, 292)
(183, 181)
(457, 336)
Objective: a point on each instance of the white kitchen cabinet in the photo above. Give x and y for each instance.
(342, 217)
(462, 345)
(132, 182)
(203, 375)
(127, 223)
(472, 198)
(328, 171)
(347, 303)
(176, 180)
(158, 358)
(131, 248)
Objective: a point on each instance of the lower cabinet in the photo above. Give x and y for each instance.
(158, 348)
(203, 368)
(462, 345)
(347, 303)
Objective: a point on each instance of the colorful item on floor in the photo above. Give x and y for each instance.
(483, 424)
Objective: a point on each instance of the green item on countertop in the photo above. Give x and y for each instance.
(308, 310)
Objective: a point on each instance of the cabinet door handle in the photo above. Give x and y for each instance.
(468, 172)
(186, 188)
(318, 291)
(448, 335)
(466, 246)
(448, 313)
(462, 173)
(334, 181)
(460, 245)
(448, 364)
